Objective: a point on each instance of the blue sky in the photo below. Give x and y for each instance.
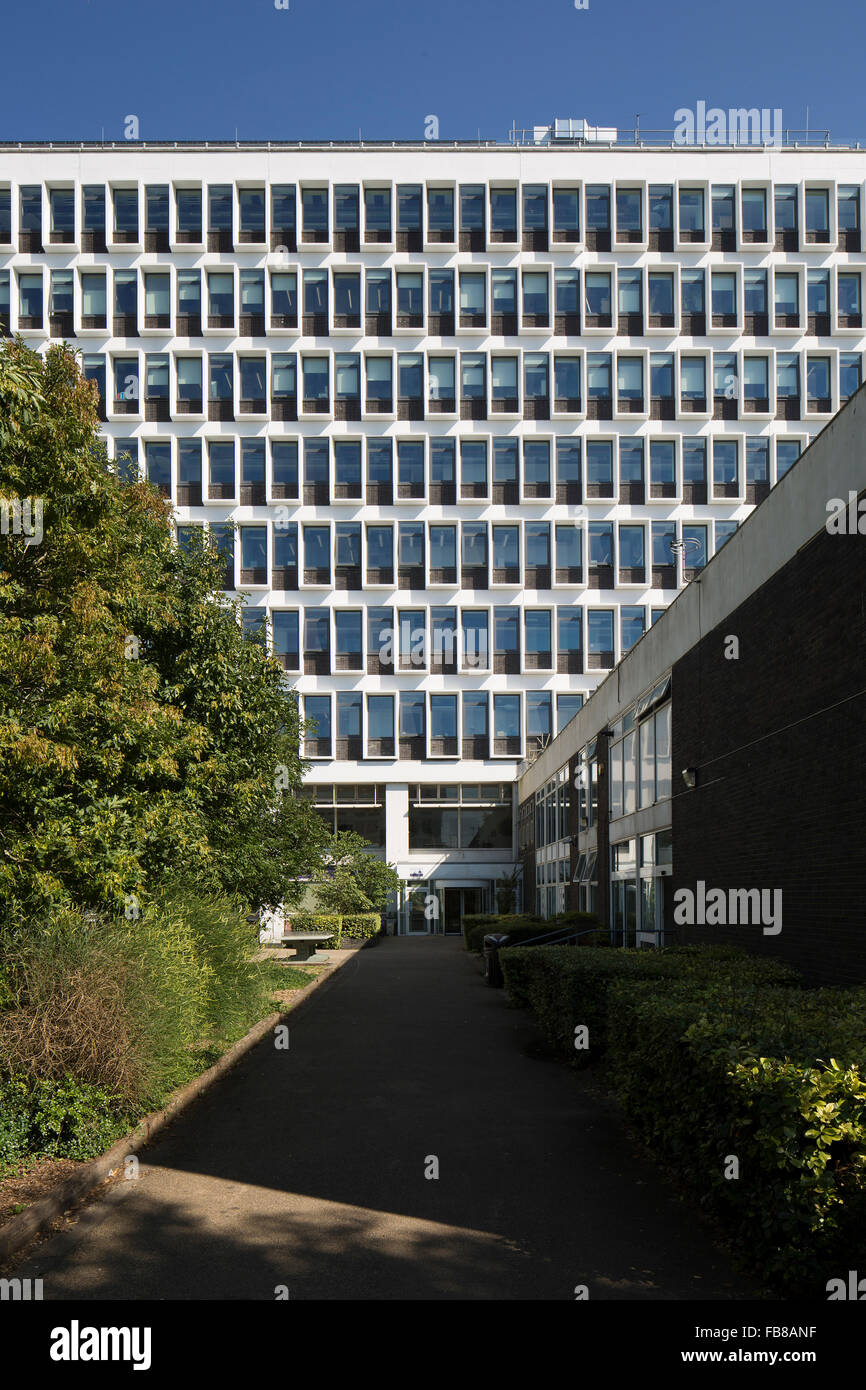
(325, 68)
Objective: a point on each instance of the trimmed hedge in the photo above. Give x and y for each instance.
(317, 921)
(520, 926)
(717, 1055)
(775, 1078)
(361, 926)
(356, 926)
(564, 987)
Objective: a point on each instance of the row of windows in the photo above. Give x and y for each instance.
(722, 214)
(661, 385)
(568, 470)
(787, 299)
(509, 640)
(416, 724)
(548, 555)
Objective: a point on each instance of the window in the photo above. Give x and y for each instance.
(535, 377)
(569, 632)
(601, 543)
(694, 462)
(598, 371)
(755, 291)
(848, 208)
(757, 461)
(724, 285)
(62, 209)
(316, 383)
(221, 377)
(598, 208)
(817, 215)
(314, 214)
(504, 292)
(818, 382)
(787, 295)
(157, 459)
(693, 378)
(632, 626)
(410, 545)
(440, 214)
(409, 208)
(378, 292)
(539, 717)
(189, 294)
(377, 213)
(787, 375)
(473, 467)
(221, 295)
(756, 379)
(661, 294)
(535, 208)
(597, 294)
(629, 379)
(472, 207)
(347, 376)
(189, 222)
(475, 642)
(317, 551)
(506, 548)
(724, 531)
(474, 545)
(126, 294)
(692, 292)
(848, 295)
(221, 468)
(695, 542)
(754, 213)
(691, 213)
(441, 289)
(379, 385)
(126, 383)
(473, 384)
(631, 455)
(503, 379)
(157, 297)
(787, 453)
(442, 461)
(599, 466)
(283, 377)
(473, 295)
(631, 547)
(506, 631)
(219, 199)
(536, 467)
(661, 376)
(410, 295)
(125, 214)
(347, 638)
(503, 213)
(535, 293)
(412, 714)
(156, 211)
(346, 208)
(725, 464)
(629, 285)
(566, 219)
(628, 211)
(723, 208)
(600, 633)
(443, 548)
(93, 215)
(537, 539)
(818, 292)
(725, 380)
(317, 710)
(60, 297)
(785, 206)
(663, 536)
(850, 375)
(347, 470)
(660, 208)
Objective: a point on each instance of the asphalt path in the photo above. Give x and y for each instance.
(412, 1142)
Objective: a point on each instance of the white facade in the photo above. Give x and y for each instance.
(808, 356)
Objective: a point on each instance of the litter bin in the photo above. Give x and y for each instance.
(492, 968)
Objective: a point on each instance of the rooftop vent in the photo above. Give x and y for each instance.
(569, 128)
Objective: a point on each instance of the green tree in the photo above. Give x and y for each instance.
(357, 881)
(143, 739)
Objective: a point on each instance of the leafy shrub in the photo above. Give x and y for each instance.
(477, 925)
(57, 1119)
(319, 921)
(361, 926)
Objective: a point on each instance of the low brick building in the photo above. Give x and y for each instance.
(712, 788)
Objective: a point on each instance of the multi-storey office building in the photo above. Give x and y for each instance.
(463, 419)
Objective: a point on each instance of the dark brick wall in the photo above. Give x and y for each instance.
(789, 811)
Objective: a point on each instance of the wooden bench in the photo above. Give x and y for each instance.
(305, 942)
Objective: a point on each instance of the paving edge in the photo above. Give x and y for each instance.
(21, 1230)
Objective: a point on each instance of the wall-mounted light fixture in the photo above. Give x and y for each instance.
(690, 776)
